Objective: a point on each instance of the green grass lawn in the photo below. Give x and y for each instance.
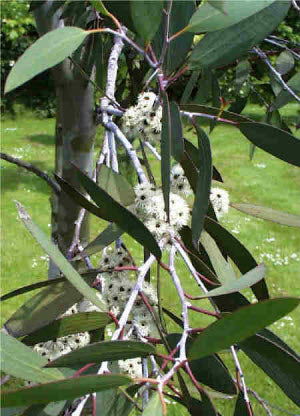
(265, 180)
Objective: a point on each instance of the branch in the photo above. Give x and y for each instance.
(31, 168)
(264, 58)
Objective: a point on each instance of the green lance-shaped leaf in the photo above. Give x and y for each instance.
(285, 62)
(110, 210)
(241, 408)
(103, 351)
(116, 186)
(146, 17)
(99, 6)
(284, 96)
(113, 402)
(244, 282)
(21, 361)
(58, 258)
(49, 50)
(204, 109)
(42, 308)
(238, 253)
(281, 365)
(242, 72)
(68, 325)
(218, 4)
(189, 87)
(203, 185)
(106, 237)
(239, 325)
(275, 141)
(176, 132)
(223, 268)
(166, 147)
(209, 19)
(63, 389)
(222, 47)
(269, 214)
(154, 406)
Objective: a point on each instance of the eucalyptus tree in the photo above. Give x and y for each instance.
(106, 327)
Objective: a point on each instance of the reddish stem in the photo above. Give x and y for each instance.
(170, 356)
(154, 340)
(120, 269)
(179, 73)
(81, 370)
(192, 377)
(113, 318)
(206, 312)
(146, 302)
(174, 390)
(164, 266)
(165, 357)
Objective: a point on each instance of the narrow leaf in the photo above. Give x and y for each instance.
(68, 325)
(166, 141)
(104, 239)
(203, 185)
(223, 268)
(209, 19)
(99, 6)
(189, 87)
(154, 406)
(221, 47)
(18, 360)
(284, 96)
(240, 405)
(176, 132)
(243, 282)
(62, 263)
(49, 50)
(238, 253)
(282, 366)
(239, 325)
(116, 186)
(146, 17)
(64, 389)
(103, 351)
(269, 214)
(277, 142)
(112, 211)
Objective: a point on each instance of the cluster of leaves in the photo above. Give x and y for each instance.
(228, 37)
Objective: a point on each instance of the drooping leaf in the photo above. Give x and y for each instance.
(176, 132)
(189, 87)
(222, 47)
(166, 146)
(154, 407)
(99, 6)
(285, 62)
(277, 142)
(242, 72)
(112, 211)
(203, 185)
(49, 50)
(181, 12)
(282, 366)
(223, 268)
(113, 402)
(62, 263)
(238, 105)
(63, 389)
(237, 252)
(80, 322)
(42, 308)
(103, 351)
(269, 214)
(284, 96)
(116, 186)
(209, 19)
(244, 282)
(21, 361)
(146, 17)
(111, 233)
(239, 325)
(204, 109)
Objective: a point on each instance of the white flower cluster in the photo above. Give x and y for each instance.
(220, 201)
(149, 206)
(63, 345)
(179, 183)
(144, 118)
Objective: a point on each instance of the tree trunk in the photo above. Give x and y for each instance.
(74, 138)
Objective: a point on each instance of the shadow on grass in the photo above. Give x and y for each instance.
(14, 177)
(45, 139)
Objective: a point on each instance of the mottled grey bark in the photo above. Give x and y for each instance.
(74, 134)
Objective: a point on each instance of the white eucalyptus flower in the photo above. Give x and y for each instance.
(220, 201)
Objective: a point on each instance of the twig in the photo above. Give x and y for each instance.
(223, 120)
(264, 58)
(153, 150)
(31, 168)
(295, 5)
(166, 35)
(261, 401)
(241, 375)
(273, 42)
